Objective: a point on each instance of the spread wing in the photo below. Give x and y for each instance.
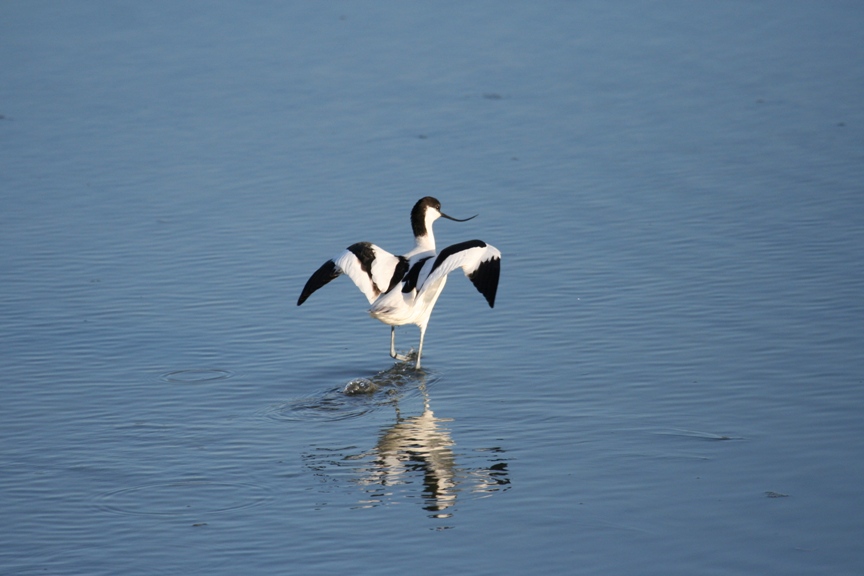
(481, 263)
(371, 268)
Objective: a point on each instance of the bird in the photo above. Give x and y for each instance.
(404, 289)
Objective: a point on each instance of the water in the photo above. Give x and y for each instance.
(671, 381)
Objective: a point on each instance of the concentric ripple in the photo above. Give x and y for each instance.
(197, 375)
(182, 498)
(330, 406)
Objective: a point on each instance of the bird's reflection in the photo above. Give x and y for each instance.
(414, 457)
(416, 446)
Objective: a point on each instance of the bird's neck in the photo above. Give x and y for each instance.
(423, 245)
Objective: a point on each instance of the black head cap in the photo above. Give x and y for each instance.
(418, 214)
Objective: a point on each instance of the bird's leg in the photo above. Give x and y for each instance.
(393, 353)
(420, 348)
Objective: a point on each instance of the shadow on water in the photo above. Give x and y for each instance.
(413, 459)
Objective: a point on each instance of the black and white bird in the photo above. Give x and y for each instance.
(404, 289)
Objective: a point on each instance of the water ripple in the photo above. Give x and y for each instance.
(197, 375)
(331, 405)
(352, 399)
(182, 497)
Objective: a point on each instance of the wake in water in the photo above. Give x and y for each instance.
(356, 397)
(391, 380)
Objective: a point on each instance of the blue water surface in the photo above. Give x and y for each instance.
(672, 378)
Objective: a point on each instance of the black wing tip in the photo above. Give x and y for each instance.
(485, 279)
(327, 272)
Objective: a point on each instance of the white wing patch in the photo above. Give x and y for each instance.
(480, 262)
(371, 268)
(350, 265)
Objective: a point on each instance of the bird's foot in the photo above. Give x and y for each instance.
(402, 357)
